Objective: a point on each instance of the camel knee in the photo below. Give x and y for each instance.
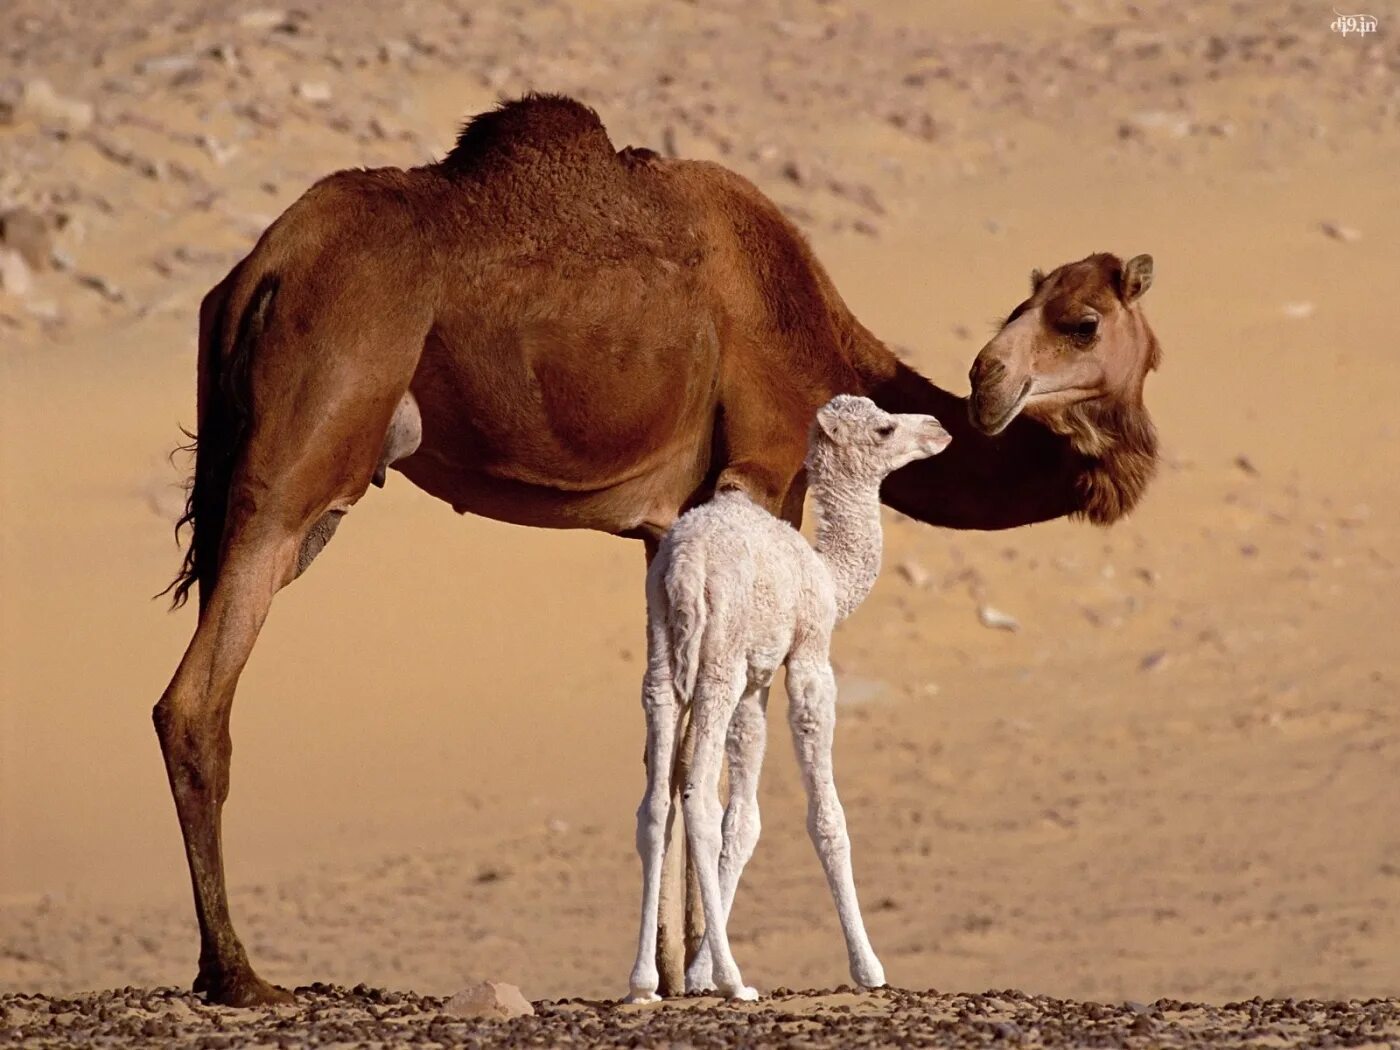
(741, 834)
(652, 815)
(826, 823)
(195, 746)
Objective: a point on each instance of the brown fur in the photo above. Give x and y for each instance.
(592, 339)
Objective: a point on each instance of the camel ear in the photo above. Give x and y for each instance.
(831, 423)
(1037, 279)
(1137, 277)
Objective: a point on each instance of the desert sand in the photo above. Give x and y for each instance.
(1176, 777)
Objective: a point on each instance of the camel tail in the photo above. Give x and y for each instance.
(686, 616)
(224, 412)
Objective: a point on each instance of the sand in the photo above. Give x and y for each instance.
(1177, 777)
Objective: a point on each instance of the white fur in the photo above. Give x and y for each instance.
(732, 595)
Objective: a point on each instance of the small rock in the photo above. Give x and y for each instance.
(914, 574)
(1153, 660)
(101, 286)
(264, 19)
(314, 91)
(1246, 464)
(45, 310)
(47, 108)
(26, 232)
(1155, 122)
(489, 1000)
(997, 620)
(1338, 232)
(15, 278)
(167, 65)
(792, 171)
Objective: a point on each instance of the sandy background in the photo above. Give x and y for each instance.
(1179, 777)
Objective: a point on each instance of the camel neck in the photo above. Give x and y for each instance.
(849, 537)
(1024, 475)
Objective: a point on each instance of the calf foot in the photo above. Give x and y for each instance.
(868, 973)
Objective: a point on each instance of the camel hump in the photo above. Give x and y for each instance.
(524, 130)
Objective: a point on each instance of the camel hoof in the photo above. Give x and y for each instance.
(745, 994)
(642, 997)
(241, 989)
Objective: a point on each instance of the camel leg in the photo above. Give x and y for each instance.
(812, 715)
(655, 815)
(299, 470)
(192, 721)
(711, 713)
(744, 750)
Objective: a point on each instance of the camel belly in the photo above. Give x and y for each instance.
(567, 425)
(647, 503)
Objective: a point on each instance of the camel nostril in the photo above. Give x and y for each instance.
(987, 370)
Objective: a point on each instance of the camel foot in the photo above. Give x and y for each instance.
(642, 996)
(240, 988)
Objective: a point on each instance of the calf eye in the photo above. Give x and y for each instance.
(884, 430)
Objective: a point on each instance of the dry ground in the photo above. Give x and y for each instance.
(1177, 778)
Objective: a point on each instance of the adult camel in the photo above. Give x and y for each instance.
(548, 331)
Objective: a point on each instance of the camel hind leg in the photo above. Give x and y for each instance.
(309, 453)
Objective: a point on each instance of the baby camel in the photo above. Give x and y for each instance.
(733, 594)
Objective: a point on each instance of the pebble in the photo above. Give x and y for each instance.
(43, 105)
(914, 574)
(15, 278)
(264, 18)
(1153, 660)
(314, 91)
(989, 616)
(1338, 232)
(27, 232)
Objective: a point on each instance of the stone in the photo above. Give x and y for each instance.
(991, 617)
(914, 574)
(314, 91)
(490, 1000)
(263, 19)
(15, 278)
(47, 108)
(26, 232)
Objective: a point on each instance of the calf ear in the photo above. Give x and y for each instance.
(1137, 277)
(1037, 279)
(830, 421)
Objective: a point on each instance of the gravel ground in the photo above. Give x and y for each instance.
(334, 1016)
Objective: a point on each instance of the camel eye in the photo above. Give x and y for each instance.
(1085, 329)
(884, 431)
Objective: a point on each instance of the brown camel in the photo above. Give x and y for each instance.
(548, 331)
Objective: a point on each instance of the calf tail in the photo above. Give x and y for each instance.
(686, 616)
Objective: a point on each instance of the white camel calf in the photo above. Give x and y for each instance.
(733, 594)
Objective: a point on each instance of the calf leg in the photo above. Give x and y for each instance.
(812, 715)
(655, 814)
(744, 749)
(711, 712)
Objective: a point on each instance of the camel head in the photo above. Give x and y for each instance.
(855, 439)
(1079, 340)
